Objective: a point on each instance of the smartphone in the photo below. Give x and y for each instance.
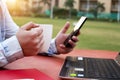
(75, 32)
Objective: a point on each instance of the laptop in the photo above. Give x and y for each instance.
(76, 67)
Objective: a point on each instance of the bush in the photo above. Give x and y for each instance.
(60, 12)
(63, 13)
(74, 12)
(39, 15)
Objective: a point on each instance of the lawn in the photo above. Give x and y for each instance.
(95, 35)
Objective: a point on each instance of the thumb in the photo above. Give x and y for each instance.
(65, 28)
(29, 26)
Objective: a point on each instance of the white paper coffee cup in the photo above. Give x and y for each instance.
(47, 36)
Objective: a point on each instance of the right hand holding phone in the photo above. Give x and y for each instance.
(75, 32)
(71, 37)
(61, 37)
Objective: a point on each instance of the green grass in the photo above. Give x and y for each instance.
(94, 34)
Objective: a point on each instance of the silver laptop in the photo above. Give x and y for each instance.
(91, 68)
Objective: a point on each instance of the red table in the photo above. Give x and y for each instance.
(52, 65)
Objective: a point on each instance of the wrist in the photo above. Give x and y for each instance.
(57, 48)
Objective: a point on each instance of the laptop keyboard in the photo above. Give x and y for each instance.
(94, 68)
(101, 68)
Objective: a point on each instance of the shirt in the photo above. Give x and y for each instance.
(10, 49)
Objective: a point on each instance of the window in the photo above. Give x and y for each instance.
(114, 6)
(56, 3)
(86, 5)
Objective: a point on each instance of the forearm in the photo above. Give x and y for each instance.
(10, 50)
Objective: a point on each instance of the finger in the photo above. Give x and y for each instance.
(37, 31)
(41, 43)
(62, 46)
(64, 49)
(72, 43)
(78, 33)
(29, 26)
(40, 38)
(74, 39)
(65, 28)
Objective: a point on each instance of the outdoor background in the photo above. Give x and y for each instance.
(98, 32)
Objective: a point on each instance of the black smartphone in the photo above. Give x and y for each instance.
(75, 31)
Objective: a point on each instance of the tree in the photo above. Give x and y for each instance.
(50, 6)
(36, 9)
(99, 8)
(46, 2)
(70, 5)
(27, 8)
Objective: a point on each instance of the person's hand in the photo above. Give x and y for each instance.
(30, 38)
(61, 37)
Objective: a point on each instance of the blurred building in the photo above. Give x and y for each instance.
(111, 12)
(80, 5)
(42, 6)
(32, 4)
(84, 5)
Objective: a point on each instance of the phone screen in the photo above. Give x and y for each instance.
(75, 31)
